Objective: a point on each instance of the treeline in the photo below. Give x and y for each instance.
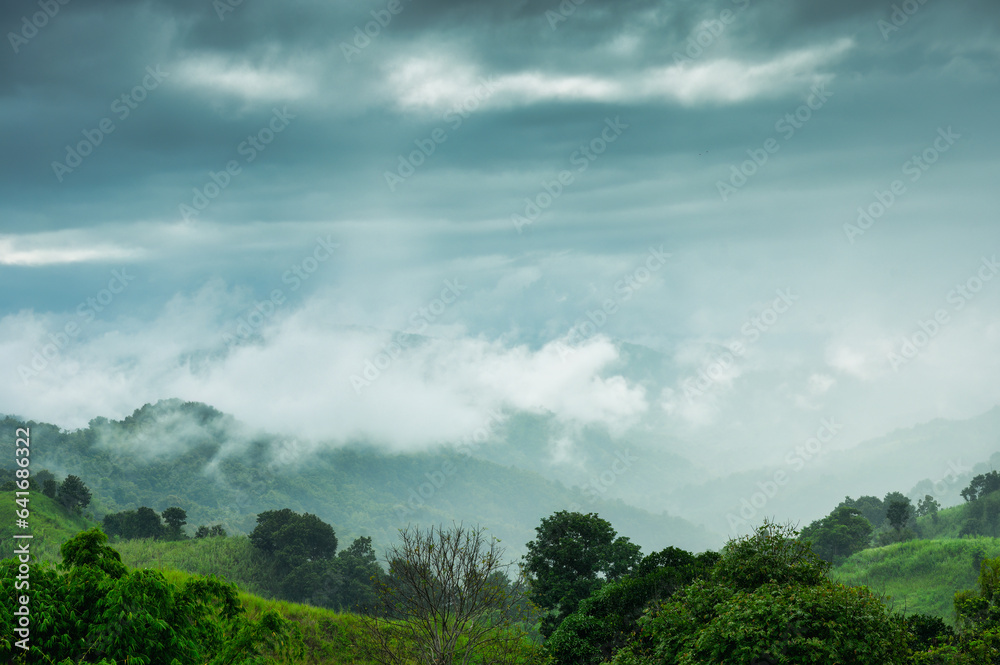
(765, 599)
(857, 524)
(71, 492)
(299, 551)
(143, 522)
(220, 472)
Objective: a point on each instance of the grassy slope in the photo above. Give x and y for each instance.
(50, 524)
(233, 559)
(919, 575)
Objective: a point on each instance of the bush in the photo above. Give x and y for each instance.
(773, 554)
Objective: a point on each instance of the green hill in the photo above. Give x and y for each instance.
(326, 634)
(194, 457)
(49, 522)
(920, 576)
(233, 559)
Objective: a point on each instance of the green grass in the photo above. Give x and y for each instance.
(49, 522)
(232, 558)
(919, 575)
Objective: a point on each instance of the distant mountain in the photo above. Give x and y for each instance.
(937, 458)
(191, 455)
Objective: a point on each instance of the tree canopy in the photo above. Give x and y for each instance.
(571, 557)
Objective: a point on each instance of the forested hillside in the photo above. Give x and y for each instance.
(192, 456)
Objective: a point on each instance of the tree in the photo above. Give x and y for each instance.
(91, 609)
(840, 534)
(898, 513)
(43, 478)
(981, 485)
(444, 603)
(571, 557)
(605, 621)
(175, 518)
(201, 532)
(772, 554)
(128, 524)
(294, 538)
(301, 549)
(356, 574)
(928, 506)
(871, 508)
(768, 602)
(73, 493)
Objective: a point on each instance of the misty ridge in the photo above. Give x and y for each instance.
(227, 471)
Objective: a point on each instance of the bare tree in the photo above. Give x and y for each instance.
(447, 601)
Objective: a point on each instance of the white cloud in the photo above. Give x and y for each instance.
(42, 249)
(297, 378)
(253, 83)
(440, 82)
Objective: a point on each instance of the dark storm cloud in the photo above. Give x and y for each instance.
(562, 71)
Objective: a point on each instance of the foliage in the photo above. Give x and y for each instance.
(981, 485)
(140, 523)
(605, 621)
(570, 558)
(898, 512)
(839, 534)
(300, 549)
(870, 507)
(73, 493)
(773, 624)
(769, 602)
(175, 518)
(772, 554)
(357, 570)
(928, 506)
(96, 609)
(446, 601)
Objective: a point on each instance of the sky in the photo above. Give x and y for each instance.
(393, 220)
